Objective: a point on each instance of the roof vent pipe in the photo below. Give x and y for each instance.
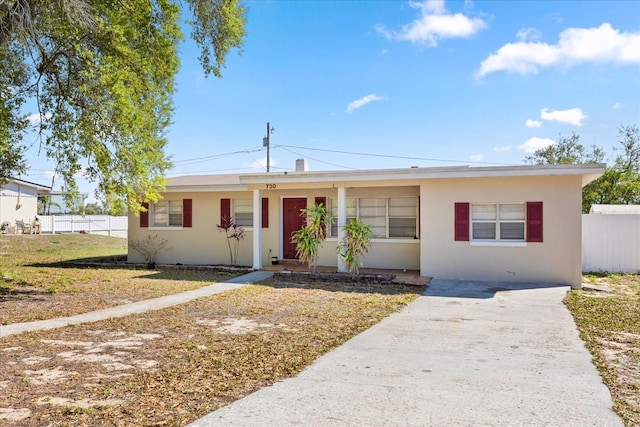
(302, 165)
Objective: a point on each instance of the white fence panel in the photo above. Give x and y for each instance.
(95, 224)
(611, 243)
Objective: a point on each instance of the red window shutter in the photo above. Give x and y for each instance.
(187, 212)
(265, 212)
(461, 222)
(534, 222)
(225, 212)
(322, 200)
(144, 216)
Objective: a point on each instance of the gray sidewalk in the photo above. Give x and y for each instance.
(136, 307)
(462, 354)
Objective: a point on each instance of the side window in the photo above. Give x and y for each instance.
(166, 213)
(243, 212)
(498, 221)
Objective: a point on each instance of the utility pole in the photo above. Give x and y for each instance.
(266, 142)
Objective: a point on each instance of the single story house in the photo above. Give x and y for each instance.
(19, 201)
(513, 223)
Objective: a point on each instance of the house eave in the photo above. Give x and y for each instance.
(589, 172)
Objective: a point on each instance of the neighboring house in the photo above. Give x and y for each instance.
(19, 200)
(517, 223)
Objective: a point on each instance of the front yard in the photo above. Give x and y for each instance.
(165, 367)
(609, 323)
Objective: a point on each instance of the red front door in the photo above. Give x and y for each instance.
(292, 222)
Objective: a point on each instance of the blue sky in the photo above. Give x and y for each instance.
(413, 83)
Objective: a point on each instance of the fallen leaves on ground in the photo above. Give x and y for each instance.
(609, 323)
(171, 366)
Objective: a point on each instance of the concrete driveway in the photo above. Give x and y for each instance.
(462, 354)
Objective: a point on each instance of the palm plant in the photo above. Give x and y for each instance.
(354, 244)
(309, 238)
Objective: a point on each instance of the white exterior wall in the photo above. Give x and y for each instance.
(18, 202)
(555, 260)
(611, 243)
(202, 243)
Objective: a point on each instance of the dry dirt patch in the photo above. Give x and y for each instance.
(174, 365)
(609, 323)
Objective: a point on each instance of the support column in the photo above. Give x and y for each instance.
(342, 221)
(257, 230)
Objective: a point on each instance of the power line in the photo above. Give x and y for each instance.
(315, 160)
(388, 156)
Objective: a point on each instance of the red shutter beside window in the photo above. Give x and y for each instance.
(144, 216)
(534, 222)
(322, 200)
(265, 212)
(461, 222)
(187, 212)
(225, 212)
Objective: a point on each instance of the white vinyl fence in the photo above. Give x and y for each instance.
(93, 224)
(611, 243)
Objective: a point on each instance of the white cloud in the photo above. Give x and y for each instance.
(533, 144)
(434, 24)
(261, 163)
(528, 34)
(603, 44)
(37, 118)
(533, 123)
(502, 149)
(476, 157)
(574, 116)
(617, 106)
(359, 103)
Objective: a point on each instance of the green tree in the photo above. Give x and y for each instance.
(620, 183)
(102, 76)
(566, 151)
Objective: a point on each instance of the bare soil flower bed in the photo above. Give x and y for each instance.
(609, 323)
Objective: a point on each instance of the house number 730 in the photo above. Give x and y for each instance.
(271, 186)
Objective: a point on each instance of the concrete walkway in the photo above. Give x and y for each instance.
(462, 354)
(136, 307)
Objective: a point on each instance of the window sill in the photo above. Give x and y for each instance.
(499, 243)
(166, 228)
(389, 240)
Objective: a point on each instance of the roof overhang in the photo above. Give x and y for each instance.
(589, 172)
(221, 183)
(39, 188)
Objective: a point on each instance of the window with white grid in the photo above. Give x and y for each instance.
(498, 221)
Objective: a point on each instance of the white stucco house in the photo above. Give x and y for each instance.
(516, 223)
(19, 200)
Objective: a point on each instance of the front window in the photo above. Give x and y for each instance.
(167, 213)
(392, 217)
(243, 212)
(497, 221)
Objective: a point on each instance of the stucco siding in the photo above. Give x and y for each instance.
(555, 260)
(202, 243)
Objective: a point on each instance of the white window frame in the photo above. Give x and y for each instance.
(355, 210)
(167, 223)
(246, 205)
(498, 221)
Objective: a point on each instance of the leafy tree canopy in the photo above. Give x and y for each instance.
(620, 183)
(101, 73)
